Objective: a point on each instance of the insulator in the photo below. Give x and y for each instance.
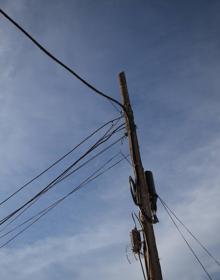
(134, 191)
(136, 241)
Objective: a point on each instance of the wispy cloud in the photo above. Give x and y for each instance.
(170, 54)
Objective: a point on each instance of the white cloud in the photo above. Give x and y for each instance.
(199, 209)
(50, 106)
(73, 253)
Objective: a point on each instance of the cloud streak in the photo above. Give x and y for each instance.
(170, 54)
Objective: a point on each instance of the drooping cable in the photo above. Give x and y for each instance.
(88, 179)
(43, 212)
(190, 232)
(187, 243)
(58, 160)
(67, 175)
(60, 180)
(145, 242)
(49, 54)
(52, 183)
(142, 268)
(128, 161)
(33, 199)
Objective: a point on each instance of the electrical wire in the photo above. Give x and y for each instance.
(89, 160)
(132, 215)
(43, 212)
(60, 180)
(59, 200)
(126, 253)
(63, 178)
(50, 55)
(128, 161)
(142, 268)
(190, 232)
(139, 221)
(33, 199)
(58, 160)
(187, 243)
(50, 185)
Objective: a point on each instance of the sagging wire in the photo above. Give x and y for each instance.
(190, 232)
(43, 212)
(187, 243)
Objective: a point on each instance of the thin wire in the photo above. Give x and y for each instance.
(142, 268)
(43, 191)
(50, 185)
(49, 54)
(187, 243)
(126, 252)
(139, 221)
(190, 232)
(58, 160)
(132, 215)
(126, 159)
(52, 206)
(145, 243)
(59, 200)
(34, 201)
(89, 160)
(60, 180)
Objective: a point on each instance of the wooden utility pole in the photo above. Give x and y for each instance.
(151, 254)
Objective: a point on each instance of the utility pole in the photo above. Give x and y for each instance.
(150, 252)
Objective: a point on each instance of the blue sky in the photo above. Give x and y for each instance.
(170, 53)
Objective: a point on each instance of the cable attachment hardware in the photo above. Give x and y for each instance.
(144, 216)
(134, 191)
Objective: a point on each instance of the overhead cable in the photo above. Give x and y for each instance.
(49, 54)
(190, 232)
(85, 181)
(51, 184)
(128, 161)
(43, 212)
(58, 181)
(142, 268)
(187, 243)
(58, 160)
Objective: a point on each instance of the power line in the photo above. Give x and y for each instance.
(88, 179)
(142, 268)
(90, 159)
(43, 191)
(59, 160)
(187, 243)
(190, 232)
(53, 182)
(43, 212)
(49, 54)
(61, 179)
(93, 147)
(133, 218)
(128, 161)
